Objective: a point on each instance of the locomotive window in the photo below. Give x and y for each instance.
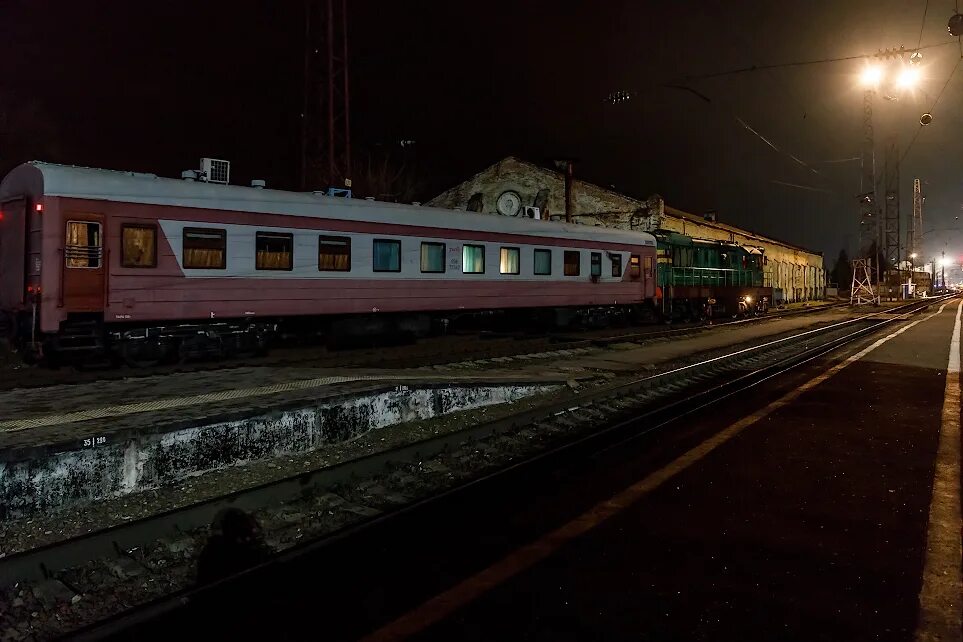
(432, 257)
(572, 263)
(509, 260)
(634, 265)
(387, 256)
(334, 254)
(205, 248)
(138, 247)
(596, 268)
(473, 259)
(274, 251)
(616, 265)
(543, 262)
(82, 248)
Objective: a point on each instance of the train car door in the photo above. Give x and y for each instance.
(83, 268)
(13, 237)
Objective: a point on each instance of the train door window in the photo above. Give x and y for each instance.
(473, 259)
(387, 255)
(205, 248)
(334, 254)
(543, 262)
(83, 248)
(573, 260)
(138, 246)
(596, 264)
(635, 266)
(274, 251)
(616, 265)
(648, 267)
(508, 262)
(432, 257)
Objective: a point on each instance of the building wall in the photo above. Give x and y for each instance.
(797, 272)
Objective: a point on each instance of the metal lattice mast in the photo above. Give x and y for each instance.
(325, 120)
(891, 235)
(914, 235)
(862, 287)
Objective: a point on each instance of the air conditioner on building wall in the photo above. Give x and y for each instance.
(532, 212)
(215, 171)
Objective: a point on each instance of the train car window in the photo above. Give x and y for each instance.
(205, 248)
(596, 264)
(334, 254)
(635, 266)
(138, 246)
(648, 266)
(273, 251)
(543, 262)
(83, 248)
(573, 260)
(616, 265)
(509, 260)
(473, 259)
(387, 256)
(432, 257)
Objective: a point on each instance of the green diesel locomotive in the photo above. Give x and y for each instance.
(704, 279)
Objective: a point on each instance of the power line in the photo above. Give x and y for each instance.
(923, 23)
(933, 108)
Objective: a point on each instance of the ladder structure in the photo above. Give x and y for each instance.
(863, 292)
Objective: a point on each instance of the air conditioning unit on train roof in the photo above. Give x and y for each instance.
(215, 171)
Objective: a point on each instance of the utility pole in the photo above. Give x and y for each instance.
(914, 235)
(943, 270)
(891, 247)
(862, 291)
(325, 116)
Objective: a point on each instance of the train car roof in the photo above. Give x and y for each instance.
(39, 179)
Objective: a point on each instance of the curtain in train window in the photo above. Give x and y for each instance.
(387, 256)
(616, 265)
(543, 261)
(648, 266)
(274, 251)
(596, 264)
(82, 248)
(205, 248)
(572, 263)
(432, 257)
(138, 247)
(473, 259)
(509, 260)
(334, 253)
(634, 265)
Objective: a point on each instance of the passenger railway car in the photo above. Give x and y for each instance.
(146, 268)
(699, 278)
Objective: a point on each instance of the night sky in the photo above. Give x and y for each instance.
(153, 86)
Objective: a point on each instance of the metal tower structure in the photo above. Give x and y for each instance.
(325, 120)
(891, 237)
(863, 290)
(914, 235)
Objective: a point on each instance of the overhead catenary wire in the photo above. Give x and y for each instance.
(932, 109)
(926, 8)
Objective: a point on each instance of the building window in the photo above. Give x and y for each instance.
(334, 254)
(508, 262)
(572, 263)
(138, 245)
(386, 256)
(617, 265)
(635, 263)
(596, 266)
(83, 248)
(473, 259)
(205, 248)
(273, 251)
(432, 257)
(543, 262)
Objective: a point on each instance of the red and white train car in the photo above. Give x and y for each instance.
(93, 259)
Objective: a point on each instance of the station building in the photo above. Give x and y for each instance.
(511, 185)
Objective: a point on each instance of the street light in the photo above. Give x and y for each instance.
(871, 75)
(908, 77)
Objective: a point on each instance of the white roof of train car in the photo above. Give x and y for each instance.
(133, 187)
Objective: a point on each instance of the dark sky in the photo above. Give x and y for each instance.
(153, 86)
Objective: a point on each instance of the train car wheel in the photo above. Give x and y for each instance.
(142, 354)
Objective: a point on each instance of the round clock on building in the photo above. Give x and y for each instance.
(509, 203)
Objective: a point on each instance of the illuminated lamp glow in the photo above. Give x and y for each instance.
(871, 75)
(908, 77)
(38, 207)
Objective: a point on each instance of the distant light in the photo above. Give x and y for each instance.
(944, 262)
(38, 207)
(908, 77)
(914, 255)
(1, 216)
(871, 75)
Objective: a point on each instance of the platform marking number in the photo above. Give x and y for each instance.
(90, 442)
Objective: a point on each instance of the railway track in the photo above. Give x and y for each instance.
(145, 567)
(435, 351)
